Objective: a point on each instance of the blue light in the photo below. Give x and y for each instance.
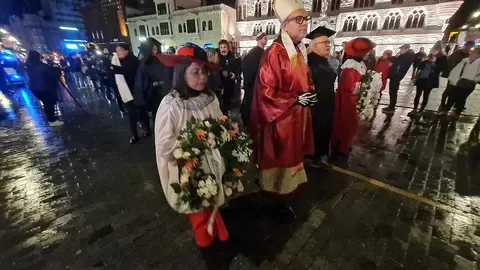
(75, 40)
(71, 46)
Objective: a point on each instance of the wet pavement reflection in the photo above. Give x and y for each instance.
(80, 197)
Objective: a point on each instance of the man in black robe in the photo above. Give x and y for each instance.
(250, 65)
(323, 77)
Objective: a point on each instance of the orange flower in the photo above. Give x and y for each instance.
(223, 118)
(190, 164)
(201, 134)
(237, 172)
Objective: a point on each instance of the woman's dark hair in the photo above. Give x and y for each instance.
(33, 58)
(180, 85)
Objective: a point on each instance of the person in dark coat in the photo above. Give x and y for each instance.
(43, 84)
(154, 79)
(419, 58)
(214, 82)
(129, 66)
(250, 65)
(456, 57)
(228, 74)
(400, 65)
(323, 76)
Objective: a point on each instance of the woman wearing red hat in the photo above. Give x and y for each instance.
(189, 98)
(346, 119)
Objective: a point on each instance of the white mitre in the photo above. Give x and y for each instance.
(283, 8)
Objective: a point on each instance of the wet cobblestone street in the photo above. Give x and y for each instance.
(80, 197)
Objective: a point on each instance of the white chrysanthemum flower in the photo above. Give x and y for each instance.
(207, 124)
(196, 151)
(228, 191)
(201, 183)
(240, 187)
(186, 154)
(178, 153)
(211, 135)
(184, 178)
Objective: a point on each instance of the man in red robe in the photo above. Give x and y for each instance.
(280, 123)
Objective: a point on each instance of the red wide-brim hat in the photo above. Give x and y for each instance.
(359, 47)
(187, 54)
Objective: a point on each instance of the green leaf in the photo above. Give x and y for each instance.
(176, 187)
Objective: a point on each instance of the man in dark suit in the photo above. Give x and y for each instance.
(250, 66)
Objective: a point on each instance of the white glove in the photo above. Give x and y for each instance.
(307, 99)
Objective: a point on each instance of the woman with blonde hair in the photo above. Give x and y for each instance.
(214, 82)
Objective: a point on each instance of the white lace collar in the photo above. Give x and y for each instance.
(290, 47)
(358, 66)
(197, 103)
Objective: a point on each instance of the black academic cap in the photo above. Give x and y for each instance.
(320, 32)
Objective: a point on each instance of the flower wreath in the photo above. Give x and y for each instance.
(198, 189)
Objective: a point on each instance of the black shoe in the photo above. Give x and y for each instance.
(283, 213)
(134, 140)
(321, 164)
(148, 133)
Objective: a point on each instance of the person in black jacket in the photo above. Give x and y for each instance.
(251, 63)
(228, 74)
(324, 77)
(129, 65)
(43, 84)
(400, 66)
(154, 79)
(419, 58)
(456, 57)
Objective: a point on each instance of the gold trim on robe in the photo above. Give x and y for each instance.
(283, 180)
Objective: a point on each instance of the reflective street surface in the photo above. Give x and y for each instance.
(80, 197)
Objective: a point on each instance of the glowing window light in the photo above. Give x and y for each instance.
(68, 28)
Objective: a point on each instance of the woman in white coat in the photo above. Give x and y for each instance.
(189, 98)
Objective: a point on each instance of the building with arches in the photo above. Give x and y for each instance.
(178, 22)
(389, 23)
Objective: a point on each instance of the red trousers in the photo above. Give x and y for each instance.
(199, 221)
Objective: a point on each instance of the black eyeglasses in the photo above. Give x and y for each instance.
(299, 19)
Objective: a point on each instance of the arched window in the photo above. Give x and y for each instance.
(270, 11)
(363, 3)
(350, 24)
(157, 30)
(370, 23)
(317, 6)
(134, 31)
(335, 5)
(416, 19)
(210, 25)
(258, 9)
(257, 29)
(270, 29)
(184, 28)
(392, 21)
(153, 30)
(240, 13)
(244, 11)
(180, 29)
(204, 26)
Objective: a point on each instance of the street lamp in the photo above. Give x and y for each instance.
(3, 31)
(476, 14)
(464, 26)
